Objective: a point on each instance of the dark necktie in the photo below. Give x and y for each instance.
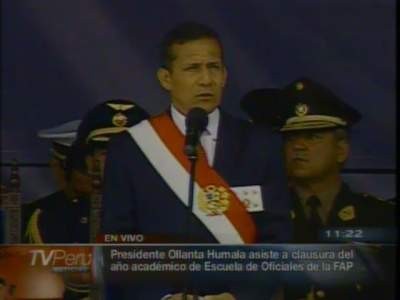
(314, 221)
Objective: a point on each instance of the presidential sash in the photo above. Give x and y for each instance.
(215, 204)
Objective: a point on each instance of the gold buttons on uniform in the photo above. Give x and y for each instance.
(320, 294)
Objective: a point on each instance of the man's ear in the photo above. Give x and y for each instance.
(343, 151)
(164, 77)
(225, 76)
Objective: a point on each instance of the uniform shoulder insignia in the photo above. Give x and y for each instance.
(366, 195)
(32, 233)
(375, 198)
(347, 213)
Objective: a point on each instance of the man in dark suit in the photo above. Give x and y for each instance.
(147, 173)
(314, 123)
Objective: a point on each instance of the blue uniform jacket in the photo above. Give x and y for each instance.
(136, 199)
(58, 219)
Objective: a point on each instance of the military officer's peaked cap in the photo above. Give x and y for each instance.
(109, 118)
(301, 105)
(61, 136)
(258, 103)
(310, 105)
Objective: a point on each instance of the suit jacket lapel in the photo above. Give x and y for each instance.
(227, 149)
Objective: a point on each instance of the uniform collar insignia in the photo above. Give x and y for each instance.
(292, 214)
(120, 107)
(347, 213)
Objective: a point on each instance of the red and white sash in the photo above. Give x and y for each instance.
(162, 143)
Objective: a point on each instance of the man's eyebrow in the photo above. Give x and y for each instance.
(192, 64)
(212, 63)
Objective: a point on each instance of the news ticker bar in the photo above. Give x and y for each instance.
(326, 235)
(336, 263)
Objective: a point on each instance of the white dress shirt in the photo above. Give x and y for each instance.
(208, 138)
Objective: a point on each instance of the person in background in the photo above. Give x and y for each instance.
(63, 217)
(72, 183)
(61, 138)
(41, 218)
(315, 125)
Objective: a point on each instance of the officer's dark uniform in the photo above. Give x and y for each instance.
(57, 218)
(307, 105)
(350, 209)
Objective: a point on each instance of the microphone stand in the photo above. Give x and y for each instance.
(196, 122)
(193, 159)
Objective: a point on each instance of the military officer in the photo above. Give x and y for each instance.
(63, 217)
(61, 137)
(315, 126)
(72, 185)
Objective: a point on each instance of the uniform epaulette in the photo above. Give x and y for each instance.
(375, 198)
(32, 233)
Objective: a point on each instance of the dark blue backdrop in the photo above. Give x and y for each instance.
(59, 58)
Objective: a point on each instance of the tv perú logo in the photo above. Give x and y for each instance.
(61, 260)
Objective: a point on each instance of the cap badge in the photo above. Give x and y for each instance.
(347, 213)
(301, 109)
(213, 200)
(119, 120)
(120, 107)
(299, 86)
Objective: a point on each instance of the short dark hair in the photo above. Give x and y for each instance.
(182, 33)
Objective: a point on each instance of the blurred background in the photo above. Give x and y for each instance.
(60, 58)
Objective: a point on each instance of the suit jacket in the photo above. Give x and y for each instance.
(136, 198)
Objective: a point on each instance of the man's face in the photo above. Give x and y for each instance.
(313, 154)
(81, 183)
(58, 172)
(197, 75)
(97, 157)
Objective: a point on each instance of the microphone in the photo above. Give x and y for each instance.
(196, 123)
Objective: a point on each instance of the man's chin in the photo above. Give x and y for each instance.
(301, 174)
(207, 106)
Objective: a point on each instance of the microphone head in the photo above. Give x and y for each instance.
(197, 119)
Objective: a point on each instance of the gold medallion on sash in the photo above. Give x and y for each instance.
(213, 200)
